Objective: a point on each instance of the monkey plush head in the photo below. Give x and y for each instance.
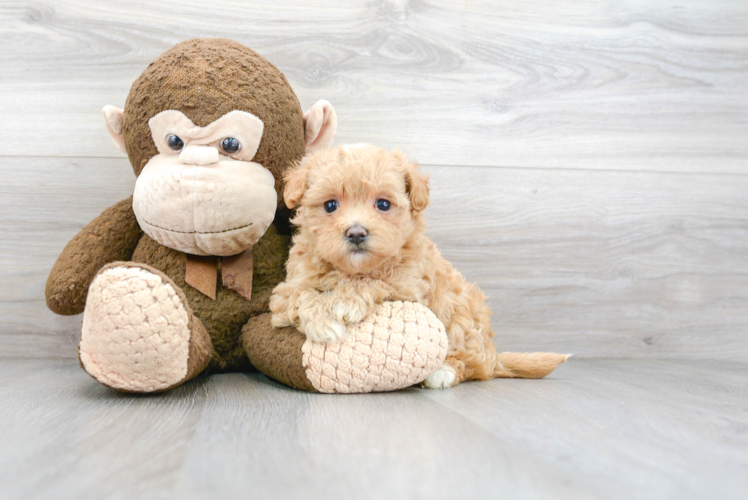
(209, 128)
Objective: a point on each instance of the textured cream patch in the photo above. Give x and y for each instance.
(135, 334)
(398, 345)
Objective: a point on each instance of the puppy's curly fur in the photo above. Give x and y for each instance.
(361, 241)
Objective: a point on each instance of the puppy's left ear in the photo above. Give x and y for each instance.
(295, 180)
(417, 185)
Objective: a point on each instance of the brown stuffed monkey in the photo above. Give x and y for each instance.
(176, 279)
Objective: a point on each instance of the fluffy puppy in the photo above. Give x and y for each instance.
(361, 242)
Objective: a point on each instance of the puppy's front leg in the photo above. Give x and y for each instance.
(284, 304)
(316, 319)
(307, 309)
(353, 300)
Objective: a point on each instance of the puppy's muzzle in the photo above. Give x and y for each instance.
(356, 234)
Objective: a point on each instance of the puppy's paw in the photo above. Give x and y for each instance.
(442, 378)
(349, 310)
(327, 330)
(281, 321)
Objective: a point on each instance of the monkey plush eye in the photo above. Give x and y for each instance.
(175, 142)
(230, 145)
(383, 205)
(331, 206)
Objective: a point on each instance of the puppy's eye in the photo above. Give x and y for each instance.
(383, 205)
(230, 145)
(175, 142)
(331, 206)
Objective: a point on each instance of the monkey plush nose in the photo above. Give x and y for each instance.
(356, 234)
(199, 155)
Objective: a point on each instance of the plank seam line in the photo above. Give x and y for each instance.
(434, 165)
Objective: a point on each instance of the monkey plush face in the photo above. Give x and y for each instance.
(202, 194)
(210, 127)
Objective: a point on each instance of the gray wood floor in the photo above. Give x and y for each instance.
(608, 429)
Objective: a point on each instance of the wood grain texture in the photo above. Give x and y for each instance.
(594, 84)
(595, 429)
(45, 202)
(601, 263)
(588, 160)
(594, 263)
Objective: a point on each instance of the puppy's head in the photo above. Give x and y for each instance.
(357, 206)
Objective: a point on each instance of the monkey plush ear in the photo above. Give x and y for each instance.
(114, 119)
(320, 123)
(417, 185)
(295, 180)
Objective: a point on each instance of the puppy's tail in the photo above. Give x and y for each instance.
(527, 364)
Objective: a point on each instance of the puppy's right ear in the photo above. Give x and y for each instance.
(417, 185)
(295, 180)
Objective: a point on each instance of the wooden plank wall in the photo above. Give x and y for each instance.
(589, 159)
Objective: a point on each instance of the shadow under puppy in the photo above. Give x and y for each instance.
(361, 241)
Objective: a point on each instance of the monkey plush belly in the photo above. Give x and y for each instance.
(225, 316)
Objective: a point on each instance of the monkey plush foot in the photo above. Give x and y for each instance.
(139, 334)
(397, 346)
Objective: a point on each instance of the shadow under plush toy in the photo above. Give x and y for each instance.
(176, 279)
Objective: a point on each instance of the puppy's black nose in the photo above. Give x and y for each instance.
(356, 234)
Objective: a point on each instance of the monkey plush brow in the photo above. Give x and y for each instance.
(241, 125)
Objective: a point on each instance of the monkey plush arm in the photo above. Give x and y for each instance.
(110, 237)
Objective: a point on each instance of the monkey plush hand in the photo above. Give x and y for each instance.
(176, 279)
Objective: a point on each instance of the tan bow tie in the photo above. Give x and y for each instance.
(236, 273)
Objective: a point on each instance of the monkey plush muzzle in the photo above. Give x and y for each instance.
(221, 208)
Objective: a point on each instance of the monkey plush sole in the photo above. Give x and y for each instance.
(397, 346)
(139, 334)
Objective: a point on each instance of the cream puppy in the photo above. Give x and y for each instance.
(361, 242)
